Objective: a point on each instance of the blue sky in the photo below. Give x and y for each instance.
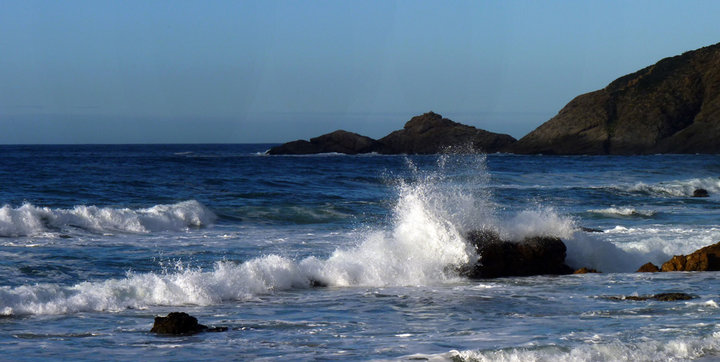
(273, 71)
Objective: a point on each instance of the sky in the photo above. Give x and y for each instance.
(274, 71)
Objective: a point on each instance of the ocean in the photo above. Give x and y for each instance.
(97, 240)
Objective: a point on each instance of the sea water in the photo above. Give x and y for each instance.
(95, 241)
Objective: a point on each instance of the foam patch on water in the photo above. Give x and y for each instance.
(623, 211)
(28, 219)
(544, 221)
(677, 349)
(677, 188)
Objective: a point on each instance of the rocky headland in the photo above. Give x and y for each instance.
(672, 106)
(424, 134)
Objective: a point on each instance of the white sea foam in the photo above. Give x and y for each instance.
(432, 213)
(673, 350)
(33, 220)
(623, 211)
(429, 219)
(677, 188)
(592, 251)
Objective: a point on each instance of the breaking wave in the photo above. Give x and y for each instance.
(28, 219)
(677, 349)
(623, 211)
(433, 211)
(677, 188)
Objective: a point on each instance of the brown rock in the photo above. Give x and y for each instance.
(530, 256)
(585, 270)
(705, 259)
(672, 106)
(648, 268)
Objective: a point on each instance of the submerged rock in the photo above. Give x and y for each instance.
(701, 193)
(705, 259)
(538, 255)
(648, 268)
(180, 323)
(662, 297)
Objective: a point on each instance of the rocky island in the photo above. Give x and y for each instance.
(425, 134)
(672, 106)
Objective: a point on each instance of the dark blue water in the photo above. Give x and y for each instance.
(97, 240)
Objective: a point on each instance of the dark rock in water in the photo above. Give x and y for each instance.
(339, 141)
(530, 256)
(648, 268)
(585, 270)
(701, 193)
(705, 259)
(662, 297)
(672, 106)
(180, 323)
(431, 133)
(591, 230)
(314, 283)
(425, 134)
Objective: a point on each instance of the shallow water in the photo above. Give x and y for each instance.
(97, 240)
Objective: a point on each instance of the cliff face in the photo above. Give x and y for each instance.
(670, 107)
(431, 133)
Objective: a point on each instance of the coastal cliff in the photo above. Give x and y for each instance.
(672, 106)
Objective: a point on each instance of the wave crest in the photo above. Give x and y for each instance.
(28, 219)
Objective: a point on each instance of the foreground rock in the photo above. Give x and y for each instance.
(431, 133)
(425, 134)
(339, 141)
(530, 256)
(705, 259)
(179, 323)
(670, 107)
(662, 297)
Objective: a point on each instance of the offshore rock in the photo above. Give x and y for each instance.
(648, 268)
(339, 141)
(672, 106)
(180, 323)
(585, 270)
(431, 133)
(531, 256)
(705, 259)
(425, 134)
(701, 193)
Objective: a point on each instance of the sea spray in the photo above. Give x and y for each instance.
(433, 210)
